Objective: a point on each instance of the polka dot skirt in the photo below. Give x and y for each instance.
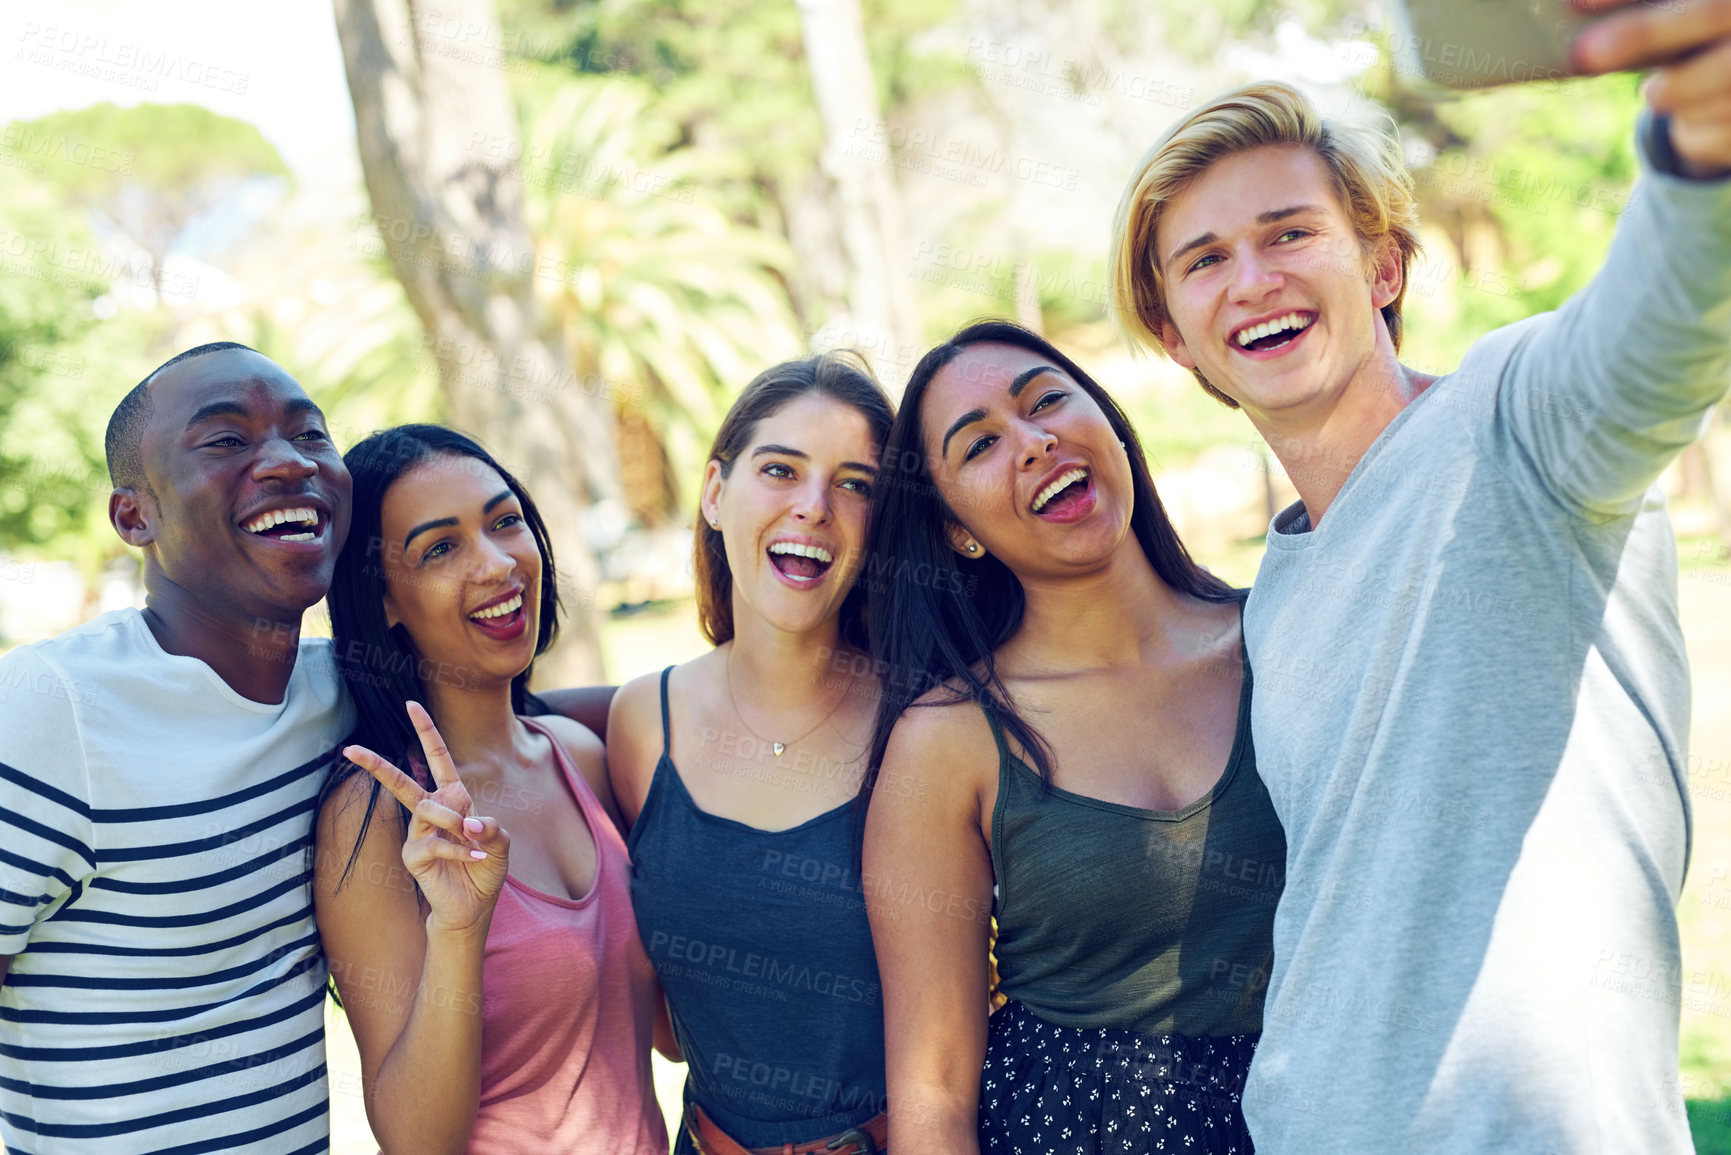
(1051, 1090)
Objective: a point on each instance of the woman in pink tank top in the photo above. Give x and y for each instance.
(499, 994)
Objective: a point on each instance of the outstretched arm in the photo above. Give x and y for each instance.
(1688, 44)
(928, 883)
(1604, 393)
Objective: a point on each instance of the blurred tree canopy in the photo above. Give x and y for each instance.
(153, 169)
(731, 78)
(670, 159)
(82, 194)
(50, 465)
(661, 291)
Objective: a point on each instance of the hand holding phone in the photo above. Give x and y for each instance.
(1688, 44)
(1479, 43)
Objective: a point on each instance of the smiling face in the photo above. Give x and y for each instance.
(1026, 460)
(793, 511)
(248, 499)
(462, 569)
(1269, 292)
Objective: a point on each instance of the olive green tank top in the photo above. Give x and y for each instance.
(1158, 921)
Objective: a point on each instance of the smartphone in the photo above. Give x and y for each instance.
(1479, 43)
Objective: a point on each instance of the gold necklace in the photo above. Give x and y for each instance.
(780, 747)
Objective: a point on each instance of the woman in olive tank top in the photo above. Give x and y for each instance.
(1063, 743)
(739, 772)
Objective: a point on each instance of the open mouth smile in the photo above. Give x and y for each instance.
(503, 617)
(1274, 334)
(800, 564)
(1066, 497)
(293, 525)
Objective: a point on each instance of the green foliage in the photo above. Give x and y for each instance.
(1197, 31)
(656, 285)
(149, 170)
(69, 350)
(61, 373)
(171, 150)
(1710, 1125)
(731, 75)
(1525, 183)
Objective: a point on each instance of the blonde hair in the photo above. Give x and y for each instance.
(1365, 165)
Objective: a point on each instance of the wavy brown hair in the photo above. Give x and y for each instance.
(841, 376)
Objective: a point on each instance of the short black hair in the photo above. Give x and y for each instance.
(126, 424)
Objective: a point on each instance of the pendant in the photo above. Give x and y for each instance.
(779, 747)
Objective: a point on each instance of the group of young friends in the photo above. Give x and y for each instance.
(970, 699)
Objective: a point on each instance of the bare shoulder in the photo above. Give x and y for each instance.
(637, 706)
(637, 709)
(1221, 637)
(941, 723)
(587, 754)
(359, 833)
(634, 729)
(579, 740)
(344, 812)
(941, 747)
(633, 744)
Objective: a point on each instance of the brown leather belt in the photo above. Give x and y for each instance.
(869, 1138)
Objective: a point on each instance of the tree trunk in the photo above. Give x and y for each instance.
(867, 201)
(438, 142)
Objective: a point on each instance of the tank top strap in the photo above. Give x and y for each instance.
(583, 793)
(998, 736)
(666, 717)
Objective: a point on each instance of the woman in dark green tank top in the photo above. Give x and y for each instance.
(1064, 743)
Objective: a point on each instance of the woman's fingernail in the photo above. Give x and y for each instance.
(473, 825)
(477, 854)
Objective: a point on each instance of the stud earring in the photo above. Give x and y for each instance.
(973, 547)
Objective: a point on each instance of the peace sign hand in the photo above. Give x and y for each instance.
(459, 860)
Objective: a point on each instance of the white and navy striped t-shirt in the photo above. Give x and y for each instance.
(166, 988)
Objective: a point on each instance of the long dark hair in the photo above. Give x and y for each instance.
(841, 376)
(941, 628)
(378, 662)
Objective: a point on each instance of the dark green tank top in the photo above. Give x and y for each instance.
(1158, 921)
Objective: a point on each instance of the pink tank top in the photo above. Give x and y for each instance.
(568, 1012)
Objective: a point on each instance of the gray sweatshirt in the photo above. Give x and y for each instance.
(1472, 714)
